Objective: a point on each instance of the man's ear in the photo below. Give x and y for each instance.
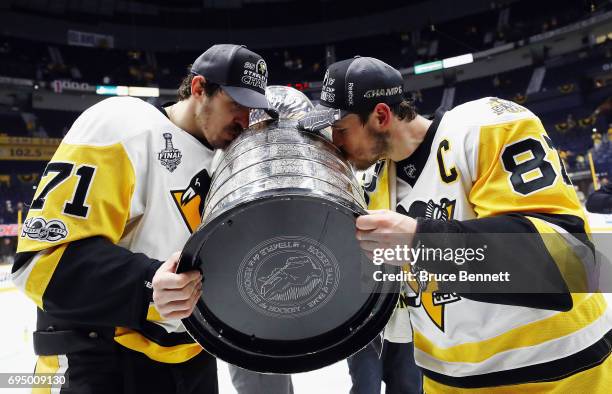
(197, 85)
(381, 115)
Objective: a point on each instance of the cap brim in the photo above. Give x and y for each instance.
(321, 118)
(246, 97)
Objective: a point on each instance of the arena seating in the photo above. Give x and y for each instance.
(565, 102)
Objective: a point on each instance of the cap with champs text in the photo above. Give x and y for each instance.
(242, 73)
(354, 85)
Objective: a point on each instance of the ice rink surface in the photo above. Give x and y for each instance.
(18, 319)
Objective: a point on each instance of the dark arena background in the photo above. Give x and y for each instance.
(59, 57)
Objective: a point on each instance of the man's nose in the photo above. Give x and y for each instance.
(337, 138)
(243, 118)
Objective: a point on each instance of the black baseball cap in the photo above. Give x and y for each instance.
(354, 85)
(242, 73)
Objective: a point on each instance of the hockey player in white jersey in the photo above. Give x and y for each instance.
(484, 167)
(120, 196)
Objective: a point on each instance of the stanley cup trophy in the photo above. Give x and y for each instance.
(286, 287)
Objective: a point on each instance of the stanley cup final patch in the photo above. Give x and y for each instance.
(169, 157)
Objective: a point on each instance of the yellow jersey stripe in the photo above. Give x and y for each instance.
(165, 354)
(382, 198)
(596, 380)
(570, 266)
(153, 314)
(45, 365)
(532, 334)
(38, 280)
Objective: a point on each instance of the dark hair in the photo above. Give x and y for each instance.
(404, 110)
(184, 90)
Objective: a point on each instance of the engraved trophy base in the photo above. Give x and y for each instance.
(289, 295)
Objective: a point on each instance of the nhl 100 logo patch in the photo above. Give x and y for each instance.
(288, 277)
(39, 229)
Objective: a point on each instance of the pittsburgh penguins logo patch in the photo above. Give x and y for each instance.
(443, 210)
(190, 200)
(427, 294)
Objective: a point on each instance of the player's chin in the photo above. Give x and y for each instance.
(222, 143)
(227, 139)
(362, 165)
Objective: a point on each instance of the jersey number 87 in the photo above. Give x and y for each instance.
(529, 170)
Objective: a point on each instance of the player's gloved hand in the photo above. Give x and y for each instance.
(175, 295)
(385, 229)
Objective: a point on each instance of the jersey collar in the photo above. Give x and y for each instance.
(411, 167)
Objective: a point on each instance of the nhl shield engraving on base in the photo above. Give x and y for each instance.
(170, 157)
(288, 277)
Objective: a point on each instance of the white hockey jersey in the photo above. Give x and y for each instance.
(124, 177)
(488, 159)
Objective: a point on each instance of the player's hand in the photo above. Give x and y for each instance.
(175, 295)
(385, 229)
